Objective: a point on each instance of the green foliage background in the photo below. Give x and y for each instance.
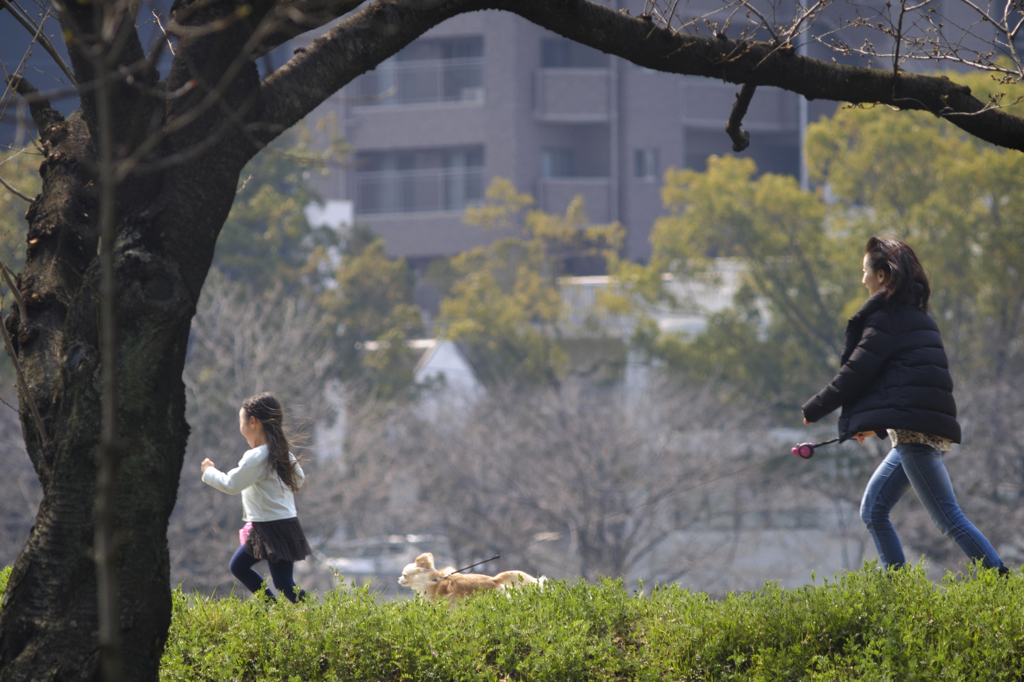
(20, 169)
(911, 175)
(505, 301)
(266, 240)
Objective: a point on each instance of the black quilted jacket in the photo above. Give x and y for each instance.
(893, 375)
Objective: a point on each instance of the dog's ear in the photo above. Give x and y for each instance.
(425, 560)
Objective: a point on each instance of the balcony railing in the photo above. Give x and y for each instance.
(572, 95)
(424, 81)
(415, 191)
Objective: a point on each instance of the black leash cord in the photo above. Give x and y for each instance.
(479, 563)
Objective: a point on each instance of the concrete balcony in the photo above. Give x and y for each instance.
(707, 104)
(572, 95)
(554, 195)
(427, 190)
(429, 81)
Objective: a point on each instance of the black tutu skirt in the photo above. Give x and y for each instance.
(277, 541)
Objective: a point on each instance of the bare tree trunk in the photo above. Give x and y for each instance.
(166, 225)
(108, 454)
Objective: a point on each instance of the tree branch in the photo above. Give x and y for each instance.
(102, 40)
(354, 46)
(40, 36)
(16, 193)
(363, 40)
(740, 137)
(295, 18)
(23, 385)
(42, 113)
(9, 347)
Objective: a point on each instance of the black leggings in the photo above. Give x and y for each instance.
(280, 571)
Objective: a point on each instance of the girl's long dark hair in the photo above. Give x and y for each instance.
(905, 279)
(266, 408)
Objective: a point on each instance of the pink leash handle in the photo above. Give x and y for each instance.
(806, 450)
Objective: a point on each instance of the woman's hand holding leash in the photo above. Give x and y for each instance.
(806, 450)
(860, 436)
(207, 463)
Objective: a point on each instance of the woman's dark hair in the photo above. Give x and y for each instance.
(267, 409)
(905, 279)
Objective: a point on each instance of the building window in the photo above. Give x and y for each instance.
(426, 72)
(645, 164)
(557, 163)
(559, 53)
(419, 181)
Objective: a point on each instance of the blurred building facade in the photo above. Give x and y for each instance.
(489, 94)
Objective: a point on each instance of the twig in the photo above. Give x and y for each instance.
(740, 137)
(23, 385)
(16, 192)
(764, 20)
(16, 410)
(164, 31)
(6, 271)
(244, 183)
(898, 41)
(42, 113)
(41, 37)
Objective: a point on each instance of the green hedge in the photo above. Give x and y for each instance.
(864, 626)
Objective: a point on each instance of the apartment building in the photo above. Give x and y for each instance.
(489, 94)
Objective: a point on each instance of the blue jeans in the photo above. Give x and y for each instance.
(919, 466)
(280, 571)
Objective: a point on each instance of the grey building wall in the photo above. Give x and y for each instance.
(624, 125)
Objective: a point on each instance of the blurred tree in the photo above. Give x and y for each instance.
(916, 177)
(955, 200)
(783, 333)
(267, 240)
(373, 302)
(505, 302)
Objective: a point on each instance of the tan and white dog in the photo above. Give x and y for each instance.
(437, 584)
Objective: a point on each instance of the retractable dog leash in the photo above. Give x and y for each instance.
(802, 450)
(479, 563)
(806, 450)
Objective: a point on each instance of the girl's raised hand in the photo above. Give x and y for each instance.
(207, 463)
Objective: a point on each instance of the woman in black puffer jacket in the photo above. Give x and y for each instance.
(894, 379)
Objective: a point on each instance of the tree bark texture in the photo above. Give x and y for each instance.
(167, 218)
(180, 144)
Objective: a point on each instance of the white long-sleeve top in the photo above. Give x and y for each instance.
(264, 496)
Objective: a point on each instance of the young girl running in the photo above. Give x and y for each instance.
(267, 477)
